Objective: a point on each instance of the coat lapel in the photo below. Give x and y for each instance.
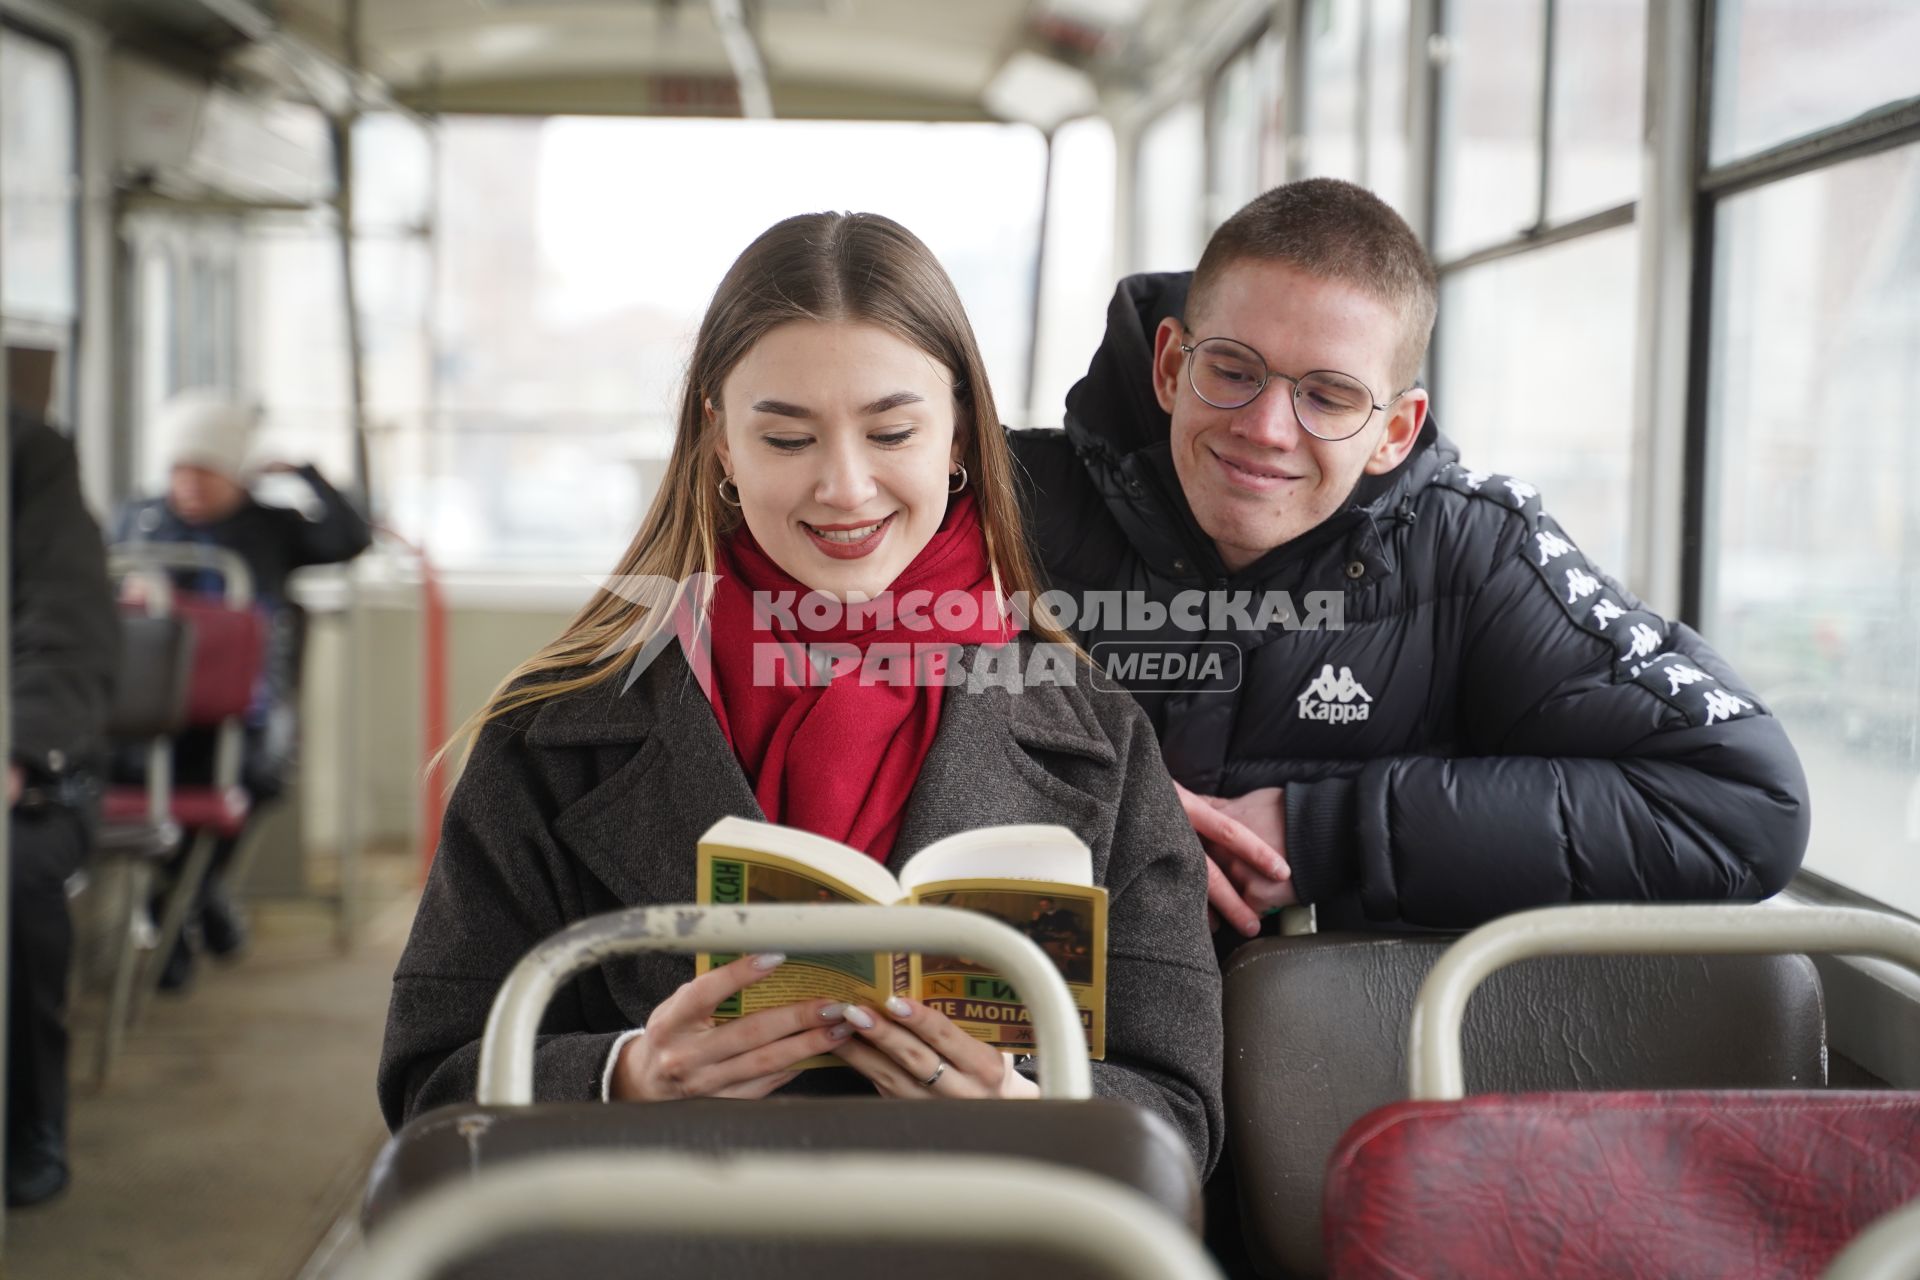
(981, 770)
(636, 830)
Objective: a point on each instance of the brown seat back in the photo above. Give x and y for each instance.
(1113, 1139)
(1316, 1031)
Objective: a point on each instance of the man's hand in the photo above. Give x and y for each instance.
(1247, 872)
(16, 783)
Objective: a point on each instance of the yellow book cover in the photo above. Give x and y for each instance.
(1038, 879)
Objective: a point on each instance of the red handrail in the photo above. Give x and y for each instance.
(433, 701)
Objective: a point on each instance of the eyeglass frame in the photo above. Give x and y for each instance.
(1188, 348)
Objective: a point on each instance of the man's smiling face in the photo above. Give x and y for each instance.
(1253, 476)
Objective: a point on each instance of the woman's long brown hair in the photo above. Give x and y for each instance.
(846, 267)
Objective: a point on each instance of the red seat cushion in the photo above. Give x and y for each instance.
(1617, 1185)
(124, 804)
(224, 812)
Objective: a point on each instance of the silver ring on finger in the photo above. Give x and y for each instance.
(938, 1071)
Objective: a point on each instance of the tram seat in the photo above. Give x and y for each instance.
(1117, 1141)
(1316, 1038)
(1670, 1183)
(136, 826)
(228, 654)
(632, 1213)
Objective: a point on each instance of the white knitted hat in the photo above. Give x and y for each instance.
(206, 429)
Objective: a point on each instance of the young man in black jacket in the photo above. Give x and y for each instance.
(64, 642)
(1389, 685)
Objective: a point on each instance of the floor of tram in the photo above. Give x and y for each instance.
(240, 1119)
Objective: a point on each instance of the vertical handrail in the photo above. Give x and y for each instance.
(433, 698)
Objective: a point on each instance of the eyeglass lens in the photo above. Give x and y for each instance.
(1228, 375)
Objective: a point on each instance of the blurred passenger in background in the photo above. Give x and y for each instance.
(207, 439)
(64, 641)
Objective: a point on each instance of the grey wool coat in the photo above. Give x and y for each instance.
(594, 801)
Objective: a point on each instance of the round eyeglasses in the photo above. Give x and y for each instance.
(1231, 375)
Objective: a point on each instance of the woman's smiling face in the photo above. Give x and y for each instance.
(840, 439)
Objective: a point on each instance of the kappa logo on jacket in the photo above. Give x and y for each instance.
(1336, 699)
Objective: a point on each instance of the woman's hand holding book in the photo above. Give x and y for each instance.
(909, 1050)
(686, 1054)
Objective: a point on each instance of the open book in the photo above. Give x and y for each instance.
(1039, 879)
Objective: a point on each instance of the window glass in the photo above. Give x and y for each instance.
(1782, 68)
(1169, 235)
(1489, 127)
(570, 289)
(1814, 539)
(298, 334)
(1536, 380)
(1387, 122)
(1333, 88)
(1270, 89)
(40, 181)
(1077, 277)
(392, 172)
(1233, 139)
(1599, 74)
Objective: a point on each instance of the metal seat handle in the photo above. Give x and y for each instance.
(236, 578)
(506, 1047)
(1889, 1249)
(913, 1199)
(1434, 1067)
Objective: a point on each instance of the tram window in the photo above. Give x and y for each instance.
(1783, 68)
(576, 256)
(1599, 61)
(298, 335)
(1489, 126)
(39, 200)
(1333, 34)
(1387, 122)
(1813, 557)
(1234, 138)
(1168, 230)
(392, 173)
(1078, 269)
(1536, 379)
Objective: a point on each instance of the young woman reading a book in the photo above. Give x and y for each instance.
(836, 437)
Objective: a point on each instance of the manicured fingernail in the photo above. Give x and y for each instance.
(834, 1011)
(769, 960)
(898, 1008)
(840, 1032)
(1251, 928)
(860, 1017)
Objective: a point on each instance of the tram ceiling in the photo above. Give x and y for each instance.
(915, 59)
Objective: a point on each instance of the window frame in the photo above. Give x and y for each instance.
(65, 408)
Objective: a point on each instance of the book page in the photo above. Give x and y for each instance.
(1066, 921)
(732, 875)
(842, 867)
(1031, 852)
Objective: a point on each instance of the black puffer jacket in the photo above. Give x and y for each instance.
(1498, 725)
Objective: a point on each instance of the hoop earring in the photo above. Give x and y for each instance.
(960, 472)
(734, 501)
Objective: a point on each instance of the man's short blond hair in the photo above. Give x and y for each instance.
(1336, 231)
